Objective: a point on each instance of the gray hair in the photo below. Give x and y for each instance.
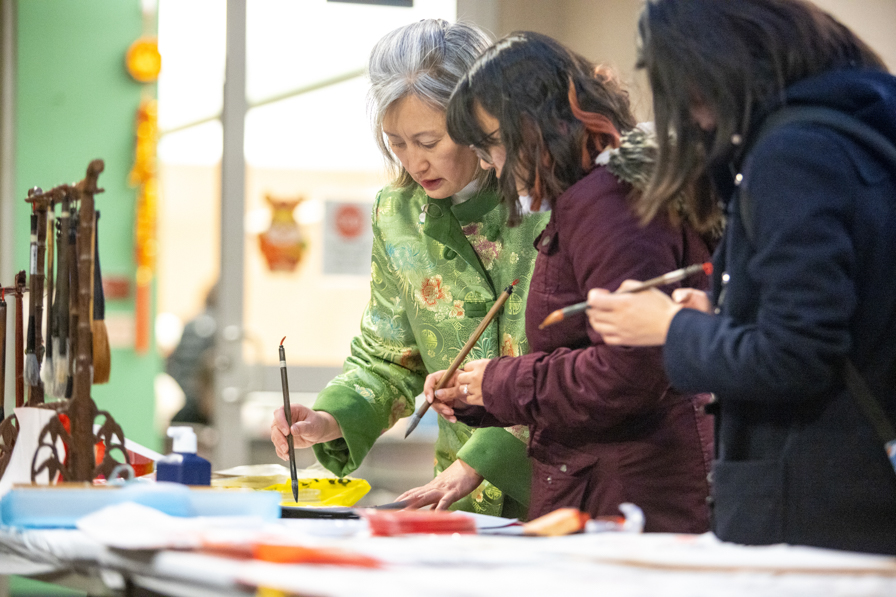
(425, 59)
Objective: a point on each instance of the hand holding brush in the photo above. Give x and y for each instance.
(449, 373)
(669, 278)
(639, 315)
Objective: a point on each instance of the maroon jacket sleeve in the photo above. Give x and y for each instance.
(581, 383)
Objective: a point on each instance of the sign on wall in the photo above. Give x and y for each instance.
(348, 238)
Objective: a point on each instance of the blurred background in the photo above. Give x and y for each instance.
(252, 223)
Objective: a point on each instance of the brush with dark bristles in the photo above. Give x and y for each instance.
(287, 410)
(415, 418)
(61, 347)
(2, 353)
(40, 202)
(32, 366)
(47, 375)
(74, 293)
(20, 339)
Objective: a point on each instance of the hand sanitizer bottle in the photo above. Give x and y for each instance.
(183, 465)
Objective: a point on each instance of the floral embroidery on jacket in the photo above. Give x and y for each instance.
(458, 309)
(488, 250)
(507, 346)
(432, 291)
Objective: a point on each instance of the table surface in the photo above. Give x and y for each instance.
(450, 565)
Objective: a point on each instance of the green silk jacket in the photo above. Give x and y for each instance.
(436, 270)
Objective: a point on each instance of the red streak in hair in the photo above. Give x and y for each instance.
(600, 129)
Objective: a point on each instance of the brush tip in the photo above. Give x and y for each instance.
(551, 319)
(281, 341)
(412, 424)
(515, 281)
(707, 268)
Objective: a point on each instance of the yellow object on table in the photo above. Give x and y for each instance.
(323, 492)
(315, 489)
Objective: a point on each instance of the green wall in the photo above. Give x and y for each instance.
(76, 102)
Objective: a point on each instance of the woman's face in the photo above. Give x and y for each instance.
(418, 137)
(702, 114)
(497, 154)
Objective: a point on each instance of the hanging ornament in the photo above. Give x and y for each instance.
(283, 244)
(143, 175)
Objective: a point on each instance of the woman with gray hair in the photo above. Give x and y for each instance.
(441, 255)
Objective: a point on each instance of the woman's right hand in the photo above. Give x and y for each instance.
(691, 298)
(309, 427)
(443, 407)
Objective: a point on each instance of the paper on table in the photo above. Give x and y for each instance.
(31, 422)
(134, 526)
(256, 470)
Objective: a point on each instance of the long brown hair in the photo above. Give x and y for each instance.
(735, 57)
(555, 109)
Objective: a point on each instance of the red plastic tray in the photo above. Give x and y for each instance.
(404, 522)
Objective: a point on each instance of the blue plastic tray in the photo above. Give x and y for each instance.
(59, 507)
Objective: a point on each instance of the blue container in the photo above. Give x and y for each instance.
(183, 465)
(185, 468)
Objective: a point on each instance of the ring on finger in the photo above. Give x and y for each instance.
(466, 388)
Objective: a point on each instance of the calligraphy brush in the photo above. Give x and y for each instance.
(673, 276)
(102, 357)
(287, 410)
(74, 293)
(20, 339)
(61, 345)
(415, 418)
(32, 367)
(2, 353)
(47, 375)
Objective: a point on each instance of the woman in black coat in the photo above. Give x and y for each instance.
(806, 273)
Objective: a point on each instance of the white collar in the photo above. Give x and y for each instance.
(465, 193)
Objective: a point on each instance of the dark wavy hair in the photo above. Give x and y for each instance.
(555, 109)
(736, 58)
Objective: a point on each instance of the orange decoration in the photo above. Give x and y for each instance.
(283, 244)
(143, 175)
(143, 60)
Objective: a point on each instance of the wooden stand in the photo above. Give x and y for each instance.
(74, 424)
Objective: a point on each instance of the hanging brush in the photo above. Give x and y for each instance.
(102, 357)
(20, 340)
(40, 202)
(32, 366)
(61, 348)
(73, 291)
(47, 376)
(2, 353)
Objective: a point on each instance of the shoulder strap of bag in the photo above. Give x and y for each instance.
(882, 147)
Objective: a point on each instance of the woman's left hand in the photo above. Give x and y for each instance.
(453, 483)
(468, 388)
(636, 319)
